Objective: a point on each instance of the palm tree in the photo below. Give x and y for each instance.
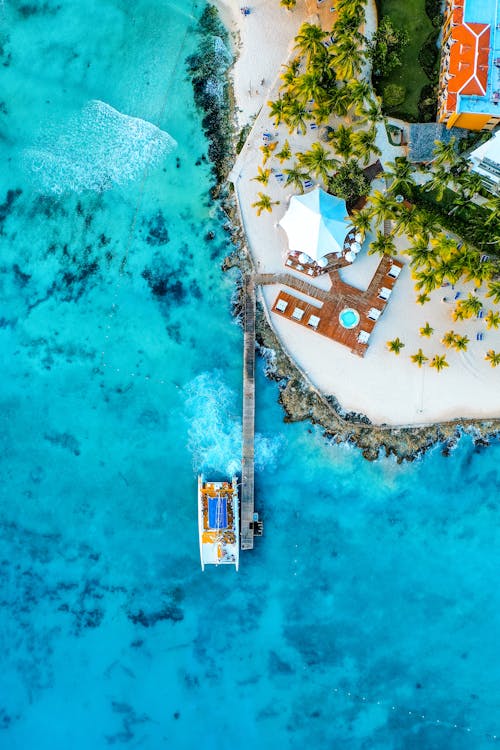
(296, 115)
(372, 112)
(290, 73)
(382, 244)
(426, 330)
(427, 280)
(494, 291)
(459, 313)
(358, 92)
(361, 220)
(444, 246)
(309, 40)
(285, 153)
(439, 362)
(460, 343)
(395, 345)
(493, 357)
(448, 338)
(421, 254)
(423, 298)
(382, 206)
(419, 358)
(317, 161)
(364, 144)
(347, 58)
(445, 153)
(263, 176)
(288, 4)
(493, 204)
(472, 305)
(267, 150)
(264, 203)
(308, 86)
(400, 173)
(492, 319)
(438, 182)
(277, 110)
(322, 110)
(408, 221)
(295, 177)
(342, 141)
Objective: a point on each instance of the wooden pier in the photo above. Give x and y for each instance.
(248, 463)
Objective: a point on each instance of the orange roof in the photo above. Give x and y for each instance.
(468, 60)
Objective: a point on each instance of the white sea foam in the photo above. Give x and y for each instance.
(95, 149)
(215, 428)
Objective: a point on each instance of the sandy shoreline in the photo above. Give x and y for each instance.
(466, 394)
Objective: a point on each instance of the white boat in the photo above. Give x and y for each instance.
(218, 522)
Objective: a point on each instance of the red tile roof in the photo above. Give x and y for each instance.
(468, 58)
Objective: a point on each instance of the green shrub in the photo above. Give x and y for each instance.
(429, 55)
(393, 95)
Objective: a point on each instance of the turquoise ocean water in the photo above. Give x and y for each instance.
(367, 617)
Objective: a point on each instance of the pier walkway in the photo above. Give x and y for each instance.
(248, 463)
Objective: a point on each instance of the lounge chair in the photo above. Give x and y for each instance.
(394, 271)
(384, 293)
(363, 337)
(281, 305)
(298, 313)
(374, 314)
(313, 321)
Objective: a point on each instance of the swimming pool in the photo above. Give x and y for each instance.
(349, 318)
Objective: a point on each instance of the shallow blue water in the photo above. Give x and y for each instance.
(374, 592)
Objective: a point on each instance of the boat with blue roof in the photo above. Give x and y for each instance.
(218, 522)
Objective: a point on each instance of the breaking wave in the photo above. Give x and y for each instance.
(95, 149)
(215, 428)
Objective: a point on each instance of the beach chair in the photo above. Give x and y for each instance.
(484, 258)
(458, 295)
(374, 314)
(313, 126)
(394, 271)
(363, 337)
(479, 336)
(308, 183)
(480, 314)
(384, 293)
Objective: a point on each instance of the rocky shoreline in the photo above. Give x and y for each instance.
(299, 398)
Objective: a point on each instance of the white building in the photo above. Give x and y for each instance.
(486, 162)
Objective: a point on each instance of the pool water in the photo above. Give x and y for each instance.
(349, 318)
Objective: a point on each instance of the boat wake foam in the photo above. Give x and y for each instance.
(95, 149)
(215, 428)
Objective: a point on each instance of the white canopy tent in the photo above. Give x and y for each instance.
(316, 223)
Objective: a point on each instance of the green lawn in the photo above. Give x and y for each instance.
(411, 15)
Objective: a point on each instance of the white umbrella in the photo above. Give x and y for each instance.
(355, 247)
(350, 256)
(358, 237)
(315, 223)
(322, 262)
(304, 258)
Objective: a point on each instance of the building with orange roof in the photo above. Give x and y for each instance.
(469, 80)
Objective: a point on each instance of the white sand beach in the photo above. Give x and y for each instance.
(387, 388)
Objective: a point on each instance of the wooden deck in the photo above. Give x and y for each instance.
(324, 316)
(247, 464)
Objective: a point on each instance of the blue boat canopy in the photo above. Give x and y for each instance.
(217, 512)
